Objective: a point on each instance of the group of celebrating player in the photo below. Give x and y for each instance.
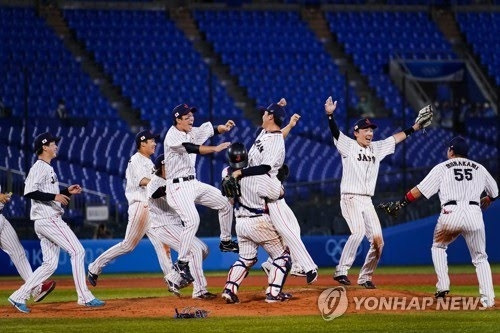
(162, 198)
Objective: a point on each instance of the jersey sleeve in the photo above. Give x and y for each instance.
(225, 172)
(343, 144)
(491, 186)
(139, 171)
(431, 183)
(269, 187)
(385, 147)
(34, 179)
(174, 140)
(202, 133)
(273, 147)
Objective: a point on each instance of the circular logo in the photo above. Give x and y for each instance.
(332, 303)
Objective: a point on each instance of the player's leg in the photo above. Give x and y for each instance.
(138, 223)
(211, 197)
(199, 253)
(352, 213)
(373, 232)
(443, 236)
(285, 222)
(9, 242)
(247, 258)
(476, 242)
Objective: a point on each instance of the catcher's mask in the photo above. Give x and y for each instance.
(237, 155)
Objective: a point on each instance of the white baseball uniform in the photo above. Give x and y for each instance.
(360, 168)
(254, 228)
(269, 149)
(166, 226)
(139, 167)
(54, 234)
(184, 190)
(460, 183)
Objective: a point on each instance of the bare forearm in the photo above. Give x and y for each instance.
(401, 136)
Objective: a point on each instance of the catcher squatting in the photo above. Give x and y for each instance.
(459, 182)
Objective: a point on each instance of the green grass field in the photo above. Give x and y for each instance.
(443, 321)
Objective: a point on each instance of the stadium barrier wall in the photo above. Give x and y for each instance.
(405, 244)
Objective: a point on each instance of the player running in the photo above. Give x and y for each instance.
(460, 182)
(360, 164)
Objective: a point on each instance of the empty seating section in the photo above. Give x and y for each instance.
(481, 30)
(32, 53)
(373, 38)
(274, 54)
(151, 60)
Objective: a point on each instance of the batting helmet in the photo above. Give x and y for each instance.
(237, 155)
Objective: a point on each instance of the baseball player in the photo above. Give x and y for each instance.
(166, 226)
(459, 182)
(182, 144)
(360, 164)
(267, 156)
(9, 242)
(254, 228)
(42, 187)
(138, 174)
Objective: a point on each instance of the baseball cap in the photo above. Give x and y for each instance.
(45, 139)
(145, 135)
(276, 110)
(182, 110)
(459, 146)
(364, 123)
(159, 161)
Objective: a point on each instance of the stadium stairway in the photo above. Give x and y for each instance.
(54, 18)
(184, 21)
(318, 24)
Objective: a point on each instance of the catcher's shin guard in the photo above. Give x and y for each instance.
(238, 272)
(279, 272)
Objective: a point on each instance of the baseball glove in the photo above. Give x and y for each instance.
(190, 312)
(283, 173)
(391, 208)
(424, 117)
(230, 187)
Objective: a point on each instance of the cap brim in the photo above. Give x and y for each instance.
(369, 126)
(57, 139)
(193, 109)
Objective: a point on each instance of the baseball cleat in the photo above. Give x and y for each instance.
(20, 306)
(206, 296)
(342, 279)
(230, 297)
(368, 285)
(183, 269)
(312, 276)
(173, 288)
(441, 294)
(229, 246)
(46, 289)
(92, 278)
(297, 270)
(281, 297)
(266, 267)
(95, 303)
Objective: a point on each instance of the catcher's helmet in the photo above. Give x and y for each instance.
(237, 155)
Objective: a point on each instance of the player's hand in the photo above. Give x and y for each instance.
(5, 197)
(75, 189)
(226, 127)
(282, 102)
(330, 106)
(62, 199)
(391, 208)
(294, 119)
(236, 174)
(485, 202)
(222, 146)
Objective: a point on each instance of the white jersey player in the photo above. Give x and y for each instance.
(266, 157)
(254, 228)
(182, 144)
(459, 182)
(166, 226)
(9, 242)
(138, 174)
(42, 187)
(360, 165)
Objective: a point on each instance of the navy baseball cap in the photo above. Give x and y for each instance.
(364, 123)
(182, 110)
(45, 139)
(159, 161)
(459, 146)
(276, 110)
(145, 135)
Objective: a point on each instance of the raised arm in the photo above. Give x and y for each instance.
(293, 121)
(330, 107)
(423, 120)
